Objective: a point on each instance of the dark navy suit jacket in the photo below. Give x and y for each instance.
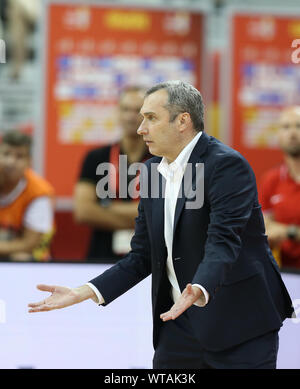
(221, 246)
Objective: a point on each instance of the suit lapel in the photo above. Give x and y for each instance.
(158, 217)
(198, 151)
(158, 204)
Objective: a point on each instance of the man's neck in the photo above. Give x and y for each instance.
(134, 147)
(293, 164)
(183, 144)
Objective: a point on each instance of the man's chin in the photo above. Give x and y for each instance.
(154, 152)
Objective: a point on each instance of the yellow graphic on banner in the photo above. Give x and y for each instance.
(260, 127)
(294, 29)
(119, 20)
(250, 114)
(213, 115)
(109, 125)
(65, 109)
(78, 133)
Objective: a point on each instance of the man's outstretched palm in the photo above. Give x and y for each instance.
(61, 297)
(188, 297)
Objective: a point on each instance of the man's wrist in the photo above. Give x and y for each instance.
(99, 298)
(85, 292)
(204, 296)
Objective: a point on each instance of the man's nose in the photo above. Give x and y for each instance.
(142, 129)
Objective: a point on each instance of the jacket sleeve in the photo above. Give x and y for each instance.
(131, 269)
(231, 194)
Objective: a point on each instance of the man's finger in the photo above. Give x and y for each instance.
(41, 309)
(172, 314)
(166, 316)
(188, 290)
(185, 301)
(46, 288)
(189, 287)
(36, 304)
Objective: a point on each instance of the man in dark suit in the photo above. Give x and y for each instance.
(217, 295)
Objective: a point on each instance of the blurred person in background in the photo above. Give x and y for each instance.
(26, 203)
(280, 193)
(19, 18)
(112, 220)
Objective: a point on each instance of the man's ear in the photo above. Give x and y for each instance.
(184, 120)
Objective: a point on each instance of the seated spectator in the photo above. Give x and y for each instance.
(26, 203)
(112, 221)
(280, 193)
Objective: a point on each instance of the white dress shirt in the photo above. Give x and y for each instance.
(173, 173)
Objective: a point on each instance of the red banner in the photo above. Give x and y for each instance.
(265, 78)
(92, 52)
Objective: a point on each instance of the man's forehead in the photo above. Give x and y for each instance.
(155, 101)
(131, 96)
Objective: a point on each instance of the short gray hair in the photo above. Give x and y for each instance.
(183, 97)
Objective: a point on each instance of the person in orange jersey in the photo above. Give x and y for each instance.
(26, 203)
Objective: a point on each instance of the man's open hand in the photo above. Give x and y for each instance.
(61, 297)
(188, 297)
